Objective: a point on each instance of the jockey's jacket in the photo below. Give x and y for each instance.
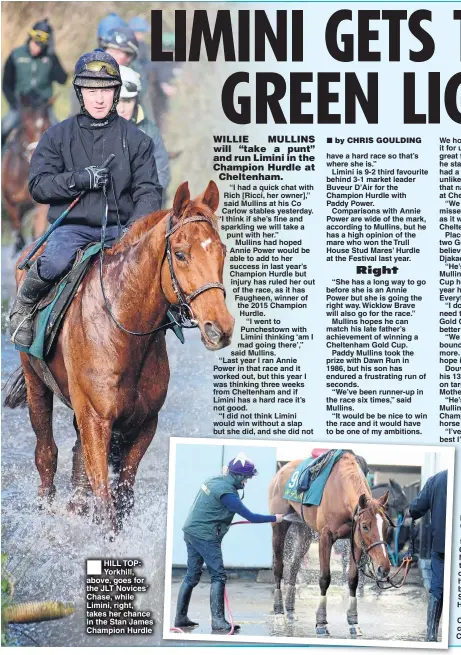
(82, 141)
(24, 75)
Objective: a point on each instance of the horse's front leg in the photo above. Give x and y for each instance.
(95, 435)
(79, 480)
(279, 531)
(325, 546)
(353, 580)
(133, 453)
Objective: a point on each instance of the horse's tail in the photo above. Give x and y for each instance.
(16, 393)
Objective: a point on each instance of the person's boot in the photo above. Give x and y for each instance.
(218, 620)
(434, 612)
(182, 606)
(21, 316)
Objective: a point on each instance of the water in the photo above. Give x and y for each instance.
(47, 551)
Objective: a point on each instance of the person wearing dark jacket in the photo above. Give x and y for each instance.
(433, 498)
(130, 108)
(68, 161)
(30, 70)
(207, 523)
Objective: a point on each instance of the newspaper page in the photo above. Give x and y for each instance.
(231, 300)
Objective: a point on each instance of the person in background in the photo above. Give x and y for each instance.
(166, 73)
(143, 64)
(207, 523)
(108, 23)
(30, 70)
(121, 44)
(130, 108)
(433, 498)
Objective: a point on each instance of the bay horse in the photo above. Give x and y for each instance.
(347, 510)
(34, 120)
(114, 380)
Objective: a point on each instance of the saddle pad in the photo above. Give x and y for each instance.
(313, 495)
(49, 318)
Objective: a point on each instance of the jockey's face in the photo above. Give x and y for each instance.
(122, 58)
(125, 108)
(98, 102)
(35, 48)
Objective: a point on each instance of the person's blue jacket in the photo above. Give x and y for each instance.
(433, 497)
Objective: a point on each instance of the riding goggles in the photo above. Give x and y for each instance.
(39, 36)
(98, 66)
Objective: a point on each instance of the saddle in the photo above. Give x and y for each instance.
(315, 467)
(52, 309)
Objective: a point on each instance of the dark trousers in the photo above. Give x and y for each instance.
(63, 244)
(437, 568)
(200, 551)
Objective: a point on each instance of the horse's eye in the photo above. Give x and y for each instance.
(180, 256)
(365, 528)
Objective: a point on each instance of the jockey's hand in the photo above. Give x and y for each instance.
(91, 178)
(279, 517)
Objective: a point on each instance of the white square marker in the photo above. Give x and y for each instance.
(93, 567)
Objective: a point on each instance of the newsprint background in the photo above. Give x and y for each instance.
(343, 270)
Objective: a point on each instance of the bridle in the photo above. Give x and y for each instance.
(184, 299)
(181, 312)
(365, 563)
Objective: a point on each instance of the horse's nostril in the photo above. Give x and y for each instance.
(381, 571)
(212, 332)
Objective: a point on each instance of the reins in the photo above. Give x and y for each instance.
(365, 563)
(185, 315)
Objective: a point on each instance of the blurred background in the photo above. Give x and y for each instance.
(190, 117)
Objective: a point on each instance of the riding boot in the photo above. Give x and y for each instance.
(218, 620)
(21, 316)
(434, 612)
(182, 606)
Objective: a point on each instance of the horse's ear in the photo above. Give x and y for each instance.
(363, 501)
(384, 500)
(181, 200)
(210, 196)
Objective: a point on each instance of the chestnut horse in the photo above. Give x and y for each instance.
(34, 121)
(347, 505)
(116, 381)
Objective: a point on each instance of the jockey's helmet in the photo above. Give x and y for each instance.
(131, 82)
(108, 23)
(122, 38)
(242, 466)
(139, 24)
(40, 33)
(97, 69)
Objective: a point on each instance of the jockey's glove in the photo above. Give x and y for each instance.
(90, 178)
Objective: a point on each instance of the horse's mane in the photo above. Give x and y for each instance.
(143, 225)
(354, 474)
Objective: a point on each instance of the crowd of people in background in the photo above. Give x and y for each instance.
(32, 68)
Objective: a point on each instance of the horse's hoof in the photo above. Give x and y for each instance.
(78, 507)
(46, 497)
(279, 619)
(292, 616)
(355, 631)
(321, 631)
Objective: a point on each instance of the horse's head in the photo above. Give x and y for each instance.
(370, 532)
(34, 121)
(197, 263)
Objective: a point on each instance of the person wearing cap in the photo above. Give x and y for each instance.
(67, 161)
(106, 24)
(207, 523)
(166, 73)
(143, 64)
(30, 70)
(433, 498)
(121, 44)
(130, 108)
